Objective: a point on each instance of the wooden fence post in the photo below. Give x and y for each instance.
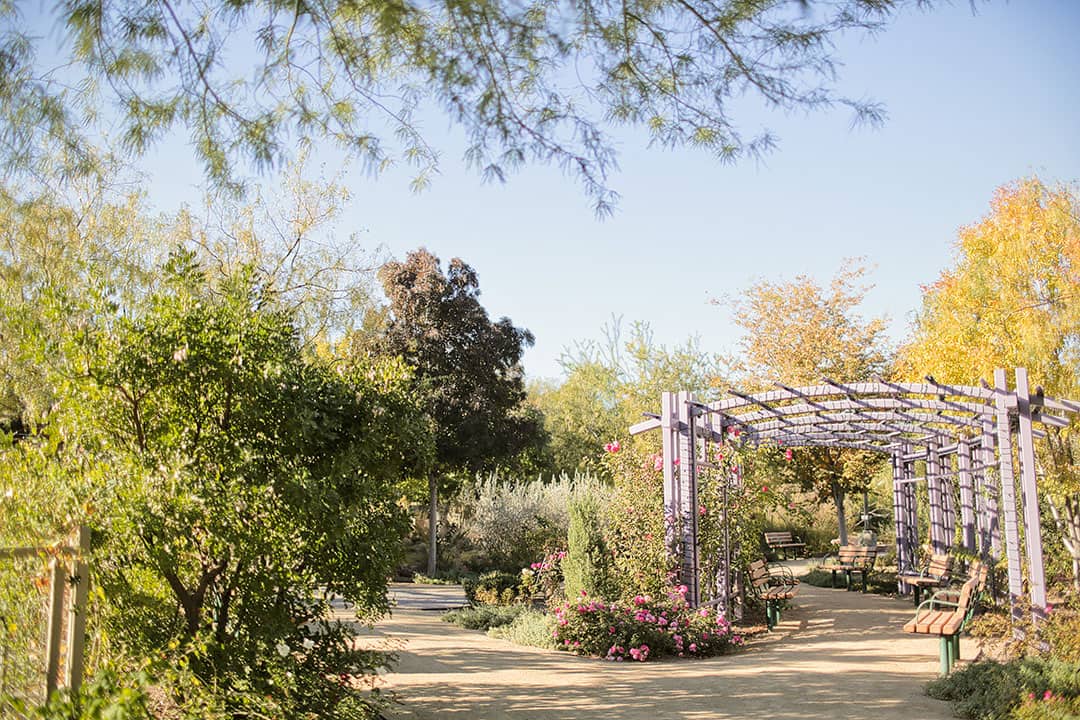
(80, 578)
(55, 627)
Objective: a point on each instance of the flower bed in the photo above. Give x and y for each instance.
(642, 629)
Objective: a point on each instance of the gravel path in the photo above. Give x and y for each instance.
(836, 654)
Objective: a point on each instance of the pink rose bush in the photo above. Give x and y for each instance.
(641, 629)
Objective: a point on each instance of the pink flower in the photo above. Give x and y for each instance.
(675, 462)
(703, 612)
(787, 454)
(701, 510)
(658, 462)
(1047, 695)
(613, 447)
(1031, 696)
(764, 488)
(693, 647)
(719, 456)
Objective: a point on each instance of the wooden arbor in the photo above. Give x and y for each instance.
(965, 435)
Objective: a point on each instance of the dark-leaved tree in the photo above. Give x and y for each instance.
(468, 369)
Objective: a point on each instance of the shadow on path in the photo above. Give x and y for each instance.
(836, 654)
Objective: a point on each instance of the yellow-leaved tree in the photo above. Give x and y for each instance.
(1012, 299)
(798, 332)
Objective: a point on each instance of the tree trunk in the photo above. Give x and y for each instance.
(433, 522)
(841, 519)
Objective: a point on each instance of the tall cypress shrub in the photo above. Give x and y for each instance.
(588, 564)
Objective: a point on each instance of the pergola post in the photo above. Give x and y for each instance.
(1008, 493)
(967, 495)
(911, 539)
(669, 438)
(947, 468)
(990, 530)
(1030, 494)
(938, 542)
(688, 503)
(899, 518)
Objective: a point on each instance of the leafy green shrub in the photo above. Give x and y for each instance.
(641, 629)
(484, 617)
(991, 690)
(587, 568)
(980, 691)
(496, 588)
(530, 627)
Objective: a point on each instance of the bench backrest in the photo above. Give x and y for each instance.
(970, 589)
(758, 574)
(940, 565)
(779, 537)
(856, 554)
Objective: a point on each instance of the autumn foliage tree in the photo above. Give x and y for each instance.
(797, 333)
(1012, 299)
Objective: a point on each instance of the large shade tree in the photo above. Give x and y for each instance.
(526, 81)
(468, 369)
(797, 333)
(1012, 299)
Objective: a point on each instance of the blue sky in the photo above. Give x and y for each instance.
(974, 101)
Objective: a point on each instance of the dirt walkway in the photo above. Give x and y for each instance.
(836, 654)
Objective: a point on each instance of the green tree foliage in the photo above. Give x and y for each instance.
(468, 368)
(1012, 299)
(533, 81)
(609, 384)
(233, 479)
(796, 333)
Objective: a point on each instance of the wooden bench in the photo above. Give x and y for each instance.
(772, 586)
(946, 614)
(935, 574)
(783, 541)
(852, 560)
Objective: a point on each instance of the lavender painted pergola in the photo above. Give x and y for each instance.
(964, 434)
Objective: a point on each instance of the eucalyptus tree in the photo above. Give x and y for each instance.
(531, 81)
